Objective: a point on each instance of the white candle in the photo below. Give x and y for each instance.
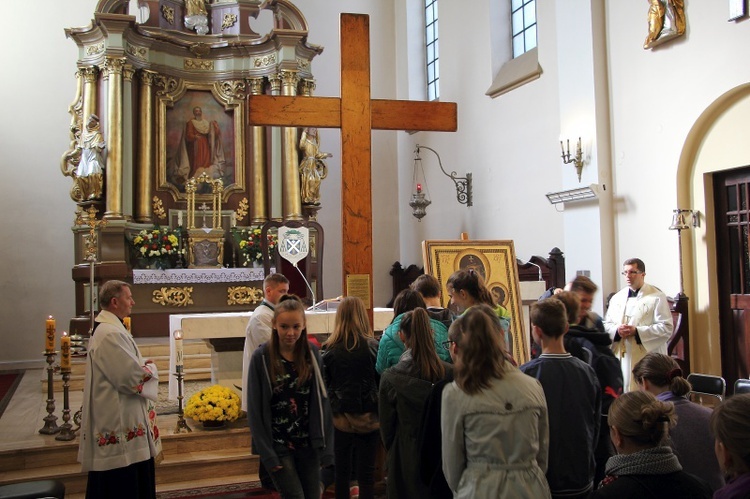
(178, 353)
(233, 218)
(179, 218)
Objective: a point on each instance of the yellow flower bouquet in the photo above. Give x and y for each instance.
(215, 403)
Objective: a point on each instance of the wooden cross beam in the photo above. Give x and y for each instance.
(356, 114)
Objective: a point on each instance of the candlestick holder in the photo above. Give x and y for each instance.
(65, 428)
(182, 426)
(50, 420)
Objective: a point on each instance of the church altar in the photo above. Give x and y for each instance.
(206, 276)
(226, 367)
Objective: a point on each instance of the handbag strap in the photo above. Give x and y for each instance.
(318, 376)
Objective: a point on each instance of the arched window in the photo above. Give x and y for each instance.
(431, 52)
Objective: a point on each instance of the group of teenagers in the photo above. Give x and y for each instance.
(458, 418)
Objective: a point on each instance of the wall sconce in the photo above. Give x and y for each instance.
(683, 220)
(577, 160)
(420, 201)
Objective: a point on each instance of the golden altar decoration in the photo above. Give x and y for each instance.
(205, 244)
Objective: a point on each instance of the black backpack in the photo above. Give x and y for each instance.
(605, 364)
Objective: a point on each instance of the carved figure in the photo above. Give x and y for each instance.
(312, 169)
(196, 16)
(88, 175)
(666, 20)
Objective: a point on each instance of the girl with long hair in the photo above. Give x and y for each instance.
(645, 465)
(731, 427)
(691, 438)
(349, 372)
(288, 408)
(495, 435)
(466, 289)
(391, 346)
(404, 389)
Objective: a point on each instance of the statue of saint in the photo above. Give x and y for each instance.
(666, 20)
(196, 16)
(312, 169)
(89, 175)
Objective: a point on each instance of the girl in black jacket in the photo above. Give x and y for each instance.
(349, 373)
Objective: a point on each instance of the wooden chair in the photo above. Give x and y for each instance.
(707, 384)
(741, 386)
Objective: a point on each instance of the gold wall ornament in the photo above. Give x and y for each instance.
(243, 295)
(231, 89)
(229, 21)
(173, 296)
(666, 20)
(200, 49)
(167, 85)
(199, 64)
(168, 14)
(95, 49)
(136, 51)
(71, 157)
(264, 61)
(91, 241)
(242, 210)
(159, 209)
(303, 64)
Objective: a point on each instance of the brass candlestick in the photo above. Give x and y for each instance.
(50, 420)
(182, 426)
(65, 428)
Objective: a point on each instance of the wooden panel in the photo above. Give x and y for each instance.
(322, 112)
(414, 115)
(356, 145)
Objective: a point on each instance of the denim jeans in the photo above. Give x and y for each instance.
(299, 477)
(363, 446)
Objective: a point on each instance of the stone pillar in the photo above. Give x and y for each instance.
(113, 67)
(258, 185)
(292, 203)
(145, 166)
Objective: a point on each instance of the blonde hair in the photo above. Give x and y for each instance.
(352, 324)
(481, 349)
(642, 418)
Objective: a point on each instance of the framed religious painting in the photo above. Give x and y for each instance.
(200, 129)
(495, 262)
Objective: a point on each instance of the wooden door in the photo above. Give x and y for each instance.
(732, 198)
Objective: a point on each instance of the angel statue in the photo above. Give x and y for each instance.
(196, 16)
(312, 169)
(85, 161)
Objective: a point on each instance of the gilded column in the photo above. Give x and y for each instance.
(89, 75)
(128, 148)
(258, 182)
(146, 149)
(113, 72)
(292, 202)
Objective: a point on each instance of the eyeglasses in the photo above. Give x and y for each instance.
(447, 344)
(631, 272)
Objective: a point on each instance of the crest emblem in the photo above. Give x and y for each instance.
(294, 243)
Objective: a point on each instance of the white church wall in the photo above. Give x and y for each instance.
(657, 95)
(37, 87)
(509, 144)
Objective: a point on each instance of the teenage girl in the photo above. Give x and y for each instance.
(288, 408)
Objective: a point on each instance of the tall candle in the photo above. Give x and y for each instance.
(179, 218)
(178, 353)
(126, 323)
(49, 336)
(65, 351)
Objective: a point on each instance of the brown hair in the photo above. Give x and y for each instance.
(583, 283)
(302, 355)
(471, 282)
(417, 330)
(642, 418)
(406, 300)
(731, 426)
(661, 370)
(480, 347)
(550, 316)
(637, 262)
(426, 285)
(352, 324)
(572, 304)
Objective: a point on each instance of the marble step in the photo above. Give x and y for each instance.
(222, 455)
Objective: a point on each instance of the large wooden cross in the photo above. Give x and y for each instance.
(356, 114)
